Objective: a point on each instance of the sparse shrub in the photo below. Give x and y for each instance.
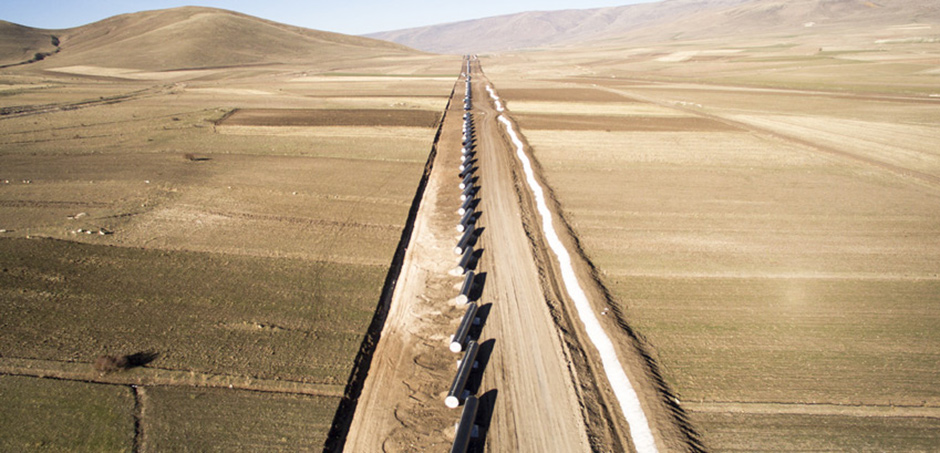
(194, 158)
(111, 363)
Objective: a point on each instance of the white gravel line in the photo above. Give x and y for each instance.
(499, 104)
(640, 431)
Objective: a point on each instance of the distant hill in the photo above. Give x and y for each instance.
(185, 38)
(19, 43)
(660, 21)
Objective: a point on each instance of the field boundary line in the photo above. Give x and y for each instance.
(852, 410)
(84, 372)
(720, 275)
(15, 111)
(809, 145)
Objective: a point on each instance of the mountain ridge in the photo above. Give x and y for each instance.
(656, 22)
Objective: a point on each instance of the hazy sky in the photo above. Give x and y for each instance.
(343, 16)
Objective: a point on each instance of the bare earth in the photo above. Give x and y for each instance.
(529, 380)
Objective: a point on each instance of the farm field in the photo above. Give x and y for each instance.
(775, 246)
(150, 212)
(182, 418)
(211, 238)
(44, 414)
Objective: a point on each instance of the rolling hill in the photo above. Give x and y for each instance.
(185, 38)
(19, 43)
(660, 21)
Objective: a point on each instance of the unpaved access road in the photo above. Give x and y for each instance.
(536, 384)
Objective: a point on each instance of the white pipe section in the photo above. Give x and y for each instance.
(466, 220)
(461, 227)
(463, 243)
(469, 192)
(463, 372)
(640, 431)
(467, 180)
(467, 171)
(464, 265)
(464, 296)
(460, 337)
(465, 206)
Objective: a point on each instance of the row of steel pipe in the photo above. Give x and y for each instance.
(460, 341)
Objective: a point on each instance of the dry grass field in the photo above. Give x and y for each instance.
(188, 419)
(769, 226)
(215, 200)
(235, 224)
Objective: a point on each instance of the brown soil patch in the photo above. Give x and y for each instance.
(618, 123)
(562, 95)
(340, 117)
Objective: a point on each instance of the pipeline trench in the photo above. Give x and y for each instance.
(534, 381)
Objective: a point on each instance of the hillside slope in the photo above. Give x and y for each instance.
(19, 43)
(659, 21)
(193, 37)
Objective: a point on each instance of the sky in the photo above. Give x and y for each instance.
(354, 17)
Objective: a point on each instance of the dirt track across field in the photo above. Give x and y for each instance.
(538, 380)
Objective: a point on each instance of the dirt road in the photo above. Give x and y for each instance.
(537, 393)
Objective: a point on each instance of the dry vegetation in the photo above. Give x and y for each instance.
(51, 415)
(189, 419)
(133, 222)
(775, 246)
(763, 211)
